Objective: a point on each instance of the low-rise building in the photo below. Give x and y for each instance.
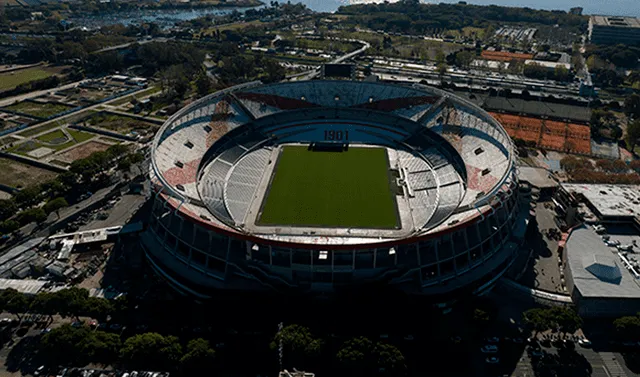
(601, 274)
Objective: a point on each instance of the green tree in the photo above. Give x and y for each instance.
(31, 215)
(54, 205)
(362, 357)
(464, 59)
(538, 320)
(567, 319)
(15, 302)
(9, 226)
(28, 196)
(98, 308)
(203, 84)
(45, 303)
(199, 358)
(632, 105)
(299, 345)
(71, 301)
(633, 134)
(8, 208)
(151, 350)
(627, 328)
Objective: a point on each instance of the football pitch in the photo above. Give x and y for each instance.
(348, 189)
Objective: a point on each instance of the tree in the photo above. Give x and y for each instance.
(633, 134)
(356, 355)
(31, 215)
(151, 350)
(15, 302)
(361, 356)
(199, 358)
(54, 205)
(464, 59)
(299, 345)
(71, 301)
(567, 319)
(627, 328)
(79, 346)
(9, 226)
(98, 308)
(7, 208)
(203, 84)
(28, 196)
(632, 105)
(537, 320)
(45, 303)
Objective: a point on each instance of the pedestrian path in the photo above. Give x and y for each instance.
(611, 363)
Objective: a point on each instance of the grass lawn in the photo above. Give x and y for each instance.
(10, 80)
(52, 136)
(79, 136)
(17, 174)
(331, 189)
(36, 130)
(42, 110)
(118, 123)
(127, 99)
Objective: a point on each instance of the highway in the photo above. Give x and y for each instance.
(314, 73)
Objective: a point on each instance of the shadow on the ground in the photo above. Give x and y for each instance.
(24, 356)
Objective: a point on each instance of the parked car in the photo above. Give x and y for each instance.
(584, 343)
(493, 339)
(489, 349)
(492, 360)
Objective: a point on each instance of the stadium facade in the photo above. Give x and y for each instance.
(451, 168)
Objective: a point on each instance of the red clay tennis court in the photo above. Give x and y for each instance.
(548, 134)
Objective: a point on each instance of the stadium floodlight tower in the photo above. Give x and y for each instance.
(317, 186)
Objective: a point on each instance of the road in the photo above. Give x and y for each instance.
(22, 97)
(312, 74)
(125, 45)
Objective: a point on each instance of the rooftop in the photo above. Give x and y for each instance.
(609, 200)
(537, 177)
(616, 21)
(598, 270)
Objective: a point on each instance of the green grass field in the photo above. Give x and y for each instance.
(12, 79)
(331, 189)
(52, 136)
(36, 130)
(42, 110)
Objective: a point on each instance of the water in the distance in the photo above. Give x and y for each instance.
(607, 7)
(163, 17)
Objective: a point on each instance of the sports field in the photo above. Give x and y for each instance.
(331, 189)
(10, 80)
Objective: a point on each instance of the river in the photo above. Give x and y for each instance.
(168, 17)
(163, 17)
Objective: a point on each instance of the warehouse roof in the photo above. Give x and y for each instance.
(538, 108)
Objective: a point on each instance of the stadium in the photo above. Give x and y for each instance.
(312, 187)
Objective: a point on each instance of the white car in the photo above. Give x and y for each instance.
(489, 349)
(492, 360)
(584, 342)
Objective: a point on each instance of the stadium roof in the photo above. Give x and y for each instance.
(538, 108)
(596, 270)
